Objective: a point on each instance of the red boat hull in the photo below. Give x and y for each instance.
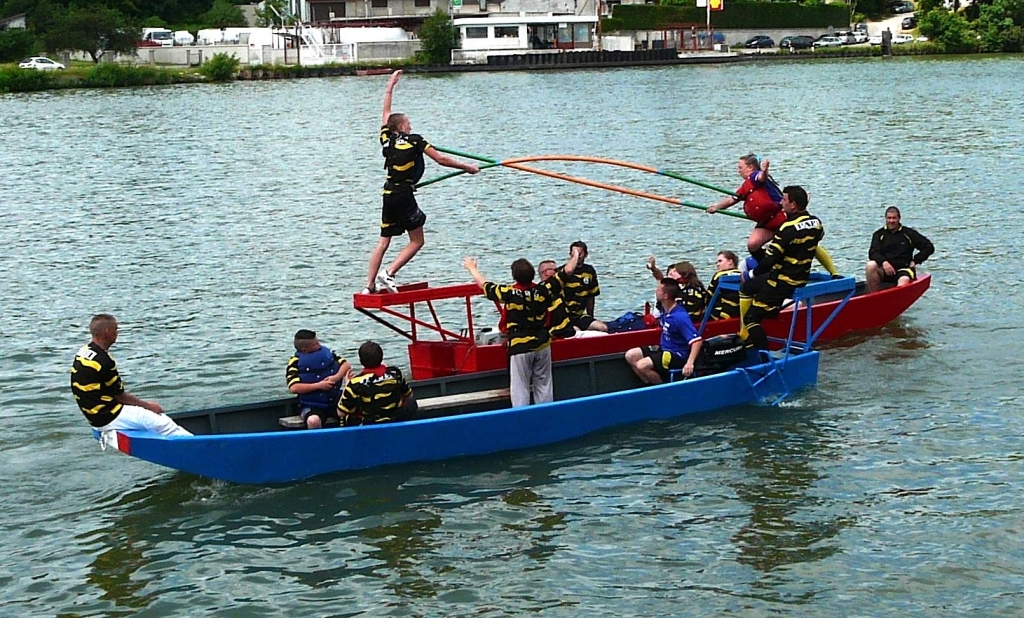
(433, 359)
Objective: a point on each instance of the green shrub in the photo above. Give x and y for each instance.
(438, 37)
(110, 75)
(220, 68)
(16, 44)
(14, 79)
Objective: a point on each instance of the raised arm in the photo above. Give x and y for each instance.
(388, 92)
(470, 265)
(574, 260)
(655, 271)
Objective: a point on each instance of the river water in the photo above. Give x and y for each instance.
(214, 221)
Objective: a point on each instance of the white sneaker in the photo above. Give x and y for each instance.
(368, 291)
(386, 281)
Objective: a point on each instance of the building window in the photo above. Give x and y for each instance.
(379, 4)
(425, 3)
(476, 32)
(506, 32)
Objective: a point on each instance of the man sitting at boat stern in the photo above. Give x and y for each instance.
(100, 394)
(378, 394)
(679, 345)
(891, 258)
(526, 306)
(785, 267)
(315, 374)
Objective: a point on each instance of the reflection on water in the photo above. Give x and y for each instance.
(789, 522)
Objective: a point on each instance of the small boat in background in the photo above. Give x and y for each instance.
(378, 71)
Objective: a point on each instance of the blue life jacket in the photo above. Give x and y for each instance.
(314, 367)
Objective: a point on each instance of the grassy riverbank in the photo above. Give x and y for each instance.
(88, 75)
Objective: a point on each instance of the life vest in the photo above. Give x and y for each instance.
(314, 367)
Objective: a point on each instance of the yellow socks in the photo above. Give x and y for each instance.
(745, 304)
(825, 260)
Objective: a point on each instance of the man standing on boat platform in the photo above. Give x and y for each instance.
(891, 258)
(403, 159)
(526, 306)
(100, 394)
(679, 345)
(785, 267)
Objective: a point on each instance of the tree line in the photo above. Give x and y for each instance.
(97, 26)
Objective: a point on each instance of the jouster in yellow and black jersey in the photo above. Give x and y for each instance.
(728, 304)
(526, 309)
(95, 384)
(403, 159)
(373, 396)
(791, 251)
(577, 288)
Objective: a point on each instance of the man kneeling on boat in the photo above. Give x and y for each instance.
(679, 345)
(315, 374)
(378, 394)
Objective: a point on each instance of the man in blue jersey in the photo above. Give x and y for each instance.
(679, 346)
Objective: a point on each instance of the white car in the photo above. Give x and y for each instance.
(900, 39)
(859, 36)
(40, 63)
(828, 41)
(875, 40)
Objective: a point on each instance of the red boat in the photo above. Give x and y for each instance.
(459, 353)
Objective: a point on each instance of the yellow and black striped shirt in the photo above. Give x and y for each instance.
(728, 303)
(694, 301)
(526, 311)
(558, 319)
(373, 396)
(403, 159)
(95, 384)
(789, 255)
(578, 289)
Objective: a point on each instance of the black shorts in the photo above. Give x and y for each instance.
(768, 299)
(900, 272)
(400, 214)
(583, 322)
(664, 362)
(325, 415)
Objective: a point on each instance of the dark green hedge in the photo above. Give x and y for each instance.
(755, 15)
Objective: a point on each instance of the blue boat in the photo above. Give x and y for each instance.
(471, 414)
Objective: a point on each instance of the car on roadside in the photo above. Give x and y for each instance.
(759, 41)
(796, 42)
(903, 7)
(900, 39)
(845, 36)
(40, 63)
(860, 36)
(909, 23)
(875, 40)
(828, 41)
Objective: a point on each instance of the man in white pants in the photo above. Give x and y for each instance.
(100, 394)
(526, 306)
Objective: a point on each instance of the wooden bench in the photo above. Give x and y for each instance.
(462, 399)
(426, 405)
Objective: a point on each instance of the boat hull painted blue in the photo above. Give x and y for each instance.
(283, 456)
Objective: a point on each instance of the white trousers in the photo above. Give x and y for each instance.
(531, 368)
(134, 417)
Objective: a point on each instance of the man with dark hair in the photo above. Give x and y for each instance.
(891, 258)
(526, 305)
(315, 374)
(378, 394)
(785, 267)
(679, 345)
(403, 159)
(100, 394)
(580, 288)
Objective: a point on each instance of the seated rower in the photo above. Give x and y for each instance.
(693, 296)
(580, 289)
(892, 257)
(378, 394)
(728, 303)
(314, 374)
(679, 345)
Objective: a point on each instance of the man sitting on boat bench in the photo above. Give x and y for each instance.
(314, 374)
(379, 393)
(679, 345)
(891, 258)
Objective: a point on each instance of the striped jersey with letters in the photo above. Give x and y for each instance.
(790, 253)
(403, 159)
(578, 288)
(95, 384)
(526, 309)
(373, 396)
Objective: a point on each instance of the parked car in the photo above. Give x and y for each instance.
(901, 38)
(796, 42)
(904, 7)
(759, 41)
(40, 63)
(828, 41)
(909, 23)
(875, 40)
(845, 36)
(860, 36)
